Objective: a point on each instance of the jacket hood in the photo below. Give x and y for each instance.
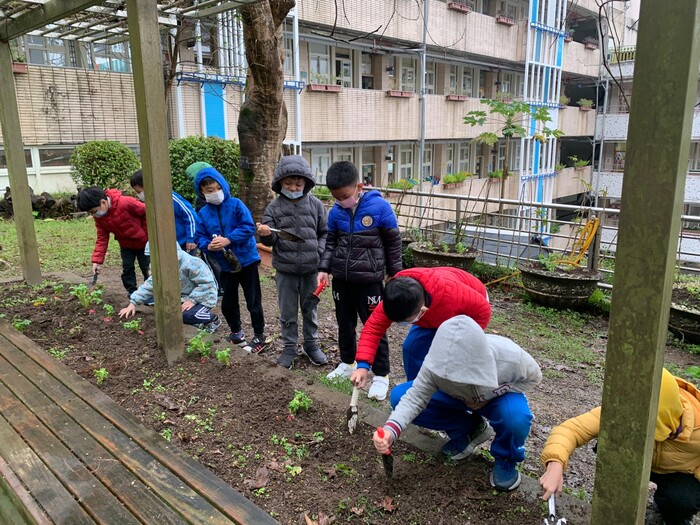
(218, 177)
(289, 166)
(460, 353)
(147, 250)
(668, 418)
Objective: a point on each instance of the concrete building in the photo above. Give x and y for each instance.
(383, 84)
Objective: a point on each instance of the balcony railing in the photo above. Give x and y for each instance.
(622, 54)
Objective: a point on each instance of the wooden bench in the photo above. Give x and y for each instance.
(71, 455)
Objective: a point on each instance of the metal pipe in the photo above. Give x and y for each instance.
(297, 77)
(421, 144)
(200, 68)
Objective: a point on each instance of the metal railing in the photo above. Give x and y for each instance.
(508, 231)
(622, 54)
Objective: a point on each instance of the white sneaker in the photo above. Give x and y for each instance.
(342, 371)
(379, 388)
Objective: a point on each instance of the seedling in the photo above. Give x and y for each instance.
(345, 470)
(167, 434)
(40, 301)
(444, 247)
(301, 401)
(134, 325)
(101, 375)
(86, 297)
(198, 345)
(20, 324)
(109, 310)
(58, 354)
(292, 471)
(460, 248)
(58, 289)
(224, 356)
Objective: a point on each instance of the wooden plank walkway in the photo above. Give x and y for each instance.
(69, 454)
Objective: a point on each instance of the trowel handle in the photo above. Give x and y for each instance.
(355, 396)
(552, 506)
(319, 289)
(380, 433)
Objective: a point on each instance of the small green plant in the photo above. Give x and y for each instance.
(444, 247)
(497, 174)
(224, 356)
(578, 162)
(85, 297)
(134, 325)
(401, 184)
(586, 103)
(57, 353)
(167, 434)
(292, 471)
(460, 248)
(101, 375)
(559, 167)
(109, 310)
(553, 262)
(340, 384)
(345, 470)
(564, 100)
(198, 345)
(21, 324)
(58, 289)
(301, 401)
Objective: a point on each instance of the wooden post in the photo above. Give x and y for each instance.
(665, 85)
(17, 170)
(144, 37)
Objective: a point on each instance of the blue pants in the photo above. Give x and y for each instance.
(198, 314)
(508, 414)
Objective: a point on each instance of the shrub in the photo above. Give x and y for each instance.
(585, 102)
(402, 184)
(103, 163)
(222, 154)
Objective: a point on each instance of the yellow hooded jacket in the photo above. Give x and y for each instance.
(677, 434)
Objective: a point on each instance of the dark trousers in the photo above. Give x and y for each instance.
(677, 496)
(249, 280)
(129, 257)
(198, 314)
(353, 300)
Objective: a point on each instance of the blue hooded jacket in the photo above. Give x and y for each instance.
(230, 219)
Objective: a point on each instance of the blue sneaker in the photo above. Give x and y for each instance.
(504, 476)
(464, 446)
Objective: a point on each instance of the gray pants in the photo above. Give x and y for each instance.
(292, 290)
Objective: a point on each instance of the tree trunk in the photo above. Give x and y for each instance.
(262, 122)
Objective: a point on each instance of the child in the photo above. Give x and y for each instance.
(185, 216)
(197, 288)
(468, 371)
(226, 233)
(675, 464)
(125, 217)
(363, 240)
(296, 263)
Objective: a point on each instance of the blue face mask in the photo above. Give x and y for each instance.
(292, 194)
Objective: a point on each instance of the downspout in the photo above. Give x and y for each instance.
(297, 78)
(222, 62)
(200, 69)
(178, 100)
(421, 144)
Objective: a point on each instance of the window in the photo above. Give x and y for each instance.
(343, 68)
(467, 83)
(320, 162)
(693, 161)
(430, 78)
(501, 155)
(453, 80)
(449, 163)
(289, 57)
(114, 57)
(428, 162)
(482, 83)
(342, 154)
(27, 159)
(319, 64)
(509, 9)
(506, 82)
(514, 165)
(47, 51)
(407, 75)
(406, 162)
(464, 154)
(366, 71)
(55, 157)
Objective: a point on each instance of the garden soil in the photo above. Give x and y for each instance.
(305, 468)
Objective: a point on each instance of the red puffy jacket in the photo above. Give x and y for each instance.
(452, 292)
(126, 219)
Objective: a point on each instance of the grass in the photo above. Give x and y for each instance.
(63, 246)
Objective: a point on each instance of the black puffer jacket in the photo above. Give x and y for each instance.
(305, 217)
(361, 244)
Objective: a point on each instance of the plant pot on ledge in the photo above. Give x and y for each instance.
(19, 68)
(399, 94)
(456, 6)
(684, 318)
(456, 98)
(558, 288)
(332, 88)
(427, 256)
(505, 20)
(590, 45)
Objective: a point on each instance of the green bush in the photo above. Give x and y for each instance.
(103, 163)
(222, 154)
(401, 184)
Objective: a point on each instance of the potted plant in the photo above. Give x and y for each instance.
(455, 180)
(684, 317)
(427, 254)
(559, 167)
(569, 36)
(590, 43)
(504, 19)
(462, 6)
(18, 65)
(555, 282)
(563, 101)
(322, 83)
(455, 97)
(578, 163)
(503, 96)
(585, 104)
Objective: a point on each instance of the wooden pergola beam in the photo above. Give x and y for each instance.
(665, 85)
(41, 16)
(17, 170)
(144, 37)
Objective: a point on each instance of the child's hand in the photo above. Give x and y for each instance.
(186, 305)
(128, 311)
(190, 246)
(359, 377)
(96, 268)
(219, 243)
(383, 444)
(322, 278)
(476, 406)
(552, 480)
(264, 230)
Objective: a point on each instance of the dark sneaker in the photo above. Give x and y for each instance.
(237, 338)
(259, 343)
(286, 359)
(211, 326)
(315, 355)
(504, 476)
(463, 447)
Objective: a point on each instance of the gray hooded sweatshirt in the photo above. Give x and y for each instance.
(305, 217)
(469, 365)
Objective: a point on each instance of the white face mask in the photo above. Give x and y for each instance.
(292, 194)
(141, 196)
(214, 198)
(415, 319)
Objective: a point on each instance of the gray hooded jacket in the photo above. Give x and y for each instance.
(468, 365)
(305, 217)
